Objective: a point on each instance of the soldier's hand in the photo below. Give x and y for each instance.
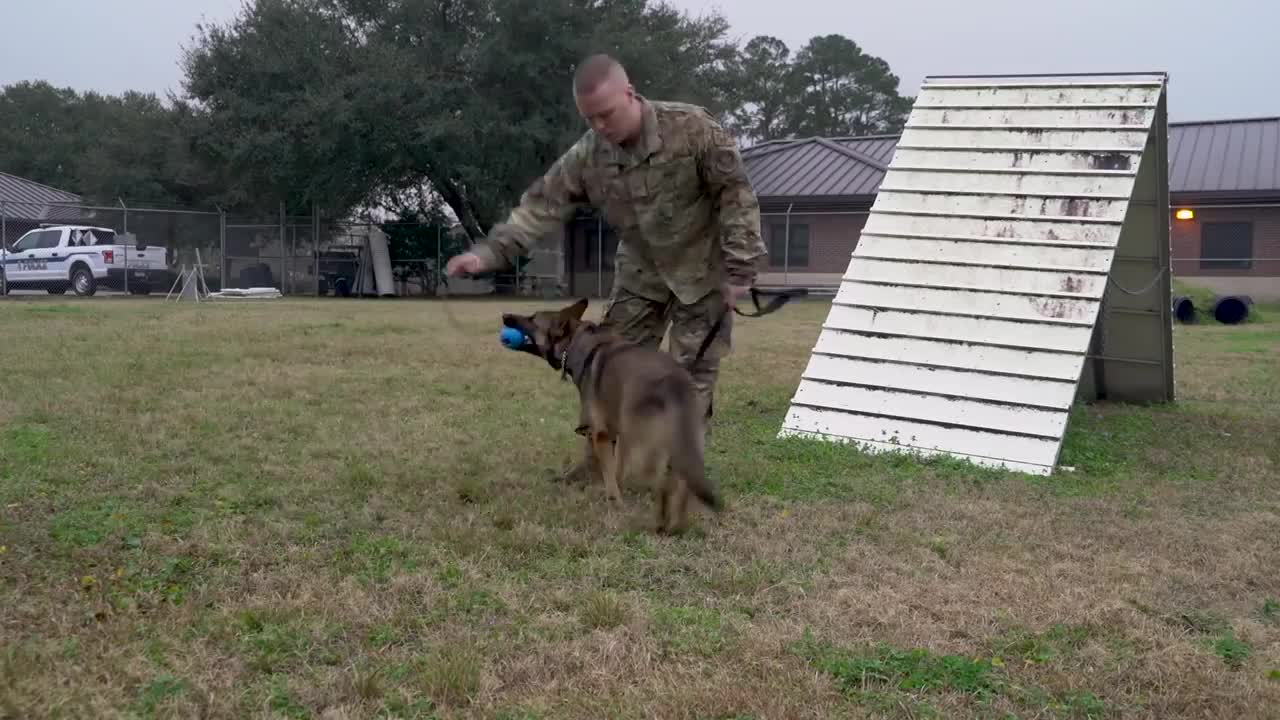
(465, 263)
(734, 293)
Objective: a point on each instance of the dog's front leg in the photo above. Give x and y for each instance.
(602, 444)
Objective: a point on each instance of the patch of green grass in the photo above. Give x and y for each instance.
(157, 692)
(375, 560)
(281, 701)
(53, 309)
(24, 446)
(1233, 651)
(272, 642)
(603, 611)
(450, 675)
(385, 636)
(1042, 647)
(692, 630)
(888, 678)
(1102, 447)
(94, 522)
(1270, 611)
(915, 670)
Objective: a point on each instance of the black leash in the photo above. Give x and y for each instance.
(780, 298)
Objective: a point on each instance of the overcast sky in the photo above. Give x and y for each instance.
(1221, 56)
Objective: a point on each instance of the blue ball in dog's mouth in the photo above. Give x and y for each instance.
(511, 338)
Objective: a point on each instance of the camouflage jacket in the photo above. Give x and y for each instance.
(684, 211)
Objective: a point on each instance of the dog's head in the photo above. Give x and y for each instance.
(548, 331)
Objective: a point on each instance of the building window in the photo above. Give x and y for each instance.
(797, 256)
(1226, 245)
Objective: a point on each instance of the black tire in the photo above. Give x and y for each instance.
(341, 288)
(82, 281)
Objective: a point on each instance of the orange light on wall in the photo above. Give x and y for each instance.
(1185, 214)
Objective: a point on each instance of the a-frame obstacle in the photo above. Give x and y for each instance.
(1016, 258)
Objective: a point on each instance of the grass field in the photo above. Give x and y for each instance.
(345, 509)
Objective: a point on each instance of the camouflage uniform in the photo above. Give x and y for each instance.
(687, 219)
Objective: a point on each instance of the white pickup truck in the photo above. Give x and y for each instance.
(83, 258)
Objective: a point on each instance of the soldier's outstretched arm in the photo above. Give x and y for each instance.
(544, 207)
(736, 201)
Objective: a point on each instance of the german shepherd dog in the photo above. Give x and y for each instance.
(639, 409)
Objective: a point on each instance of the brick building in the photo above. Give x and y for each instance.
(817, 192)
(1224, 186)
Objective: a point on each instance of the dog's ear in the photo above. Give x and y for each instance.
(574, 311)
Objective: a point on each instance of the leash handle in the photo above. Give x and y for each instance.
(781, 297)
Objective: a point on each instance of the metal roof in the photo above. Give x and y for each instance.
(29, 200)
(1221, 157)
(1225, 156)
(819, 167)
(967, 311)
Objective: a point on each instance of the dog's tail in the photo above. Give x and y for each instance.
(687, 457)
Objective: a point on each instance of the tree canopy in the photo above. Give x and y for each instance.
(412, 106)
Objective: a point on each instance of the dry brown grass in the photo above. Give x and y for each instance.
(343, 509)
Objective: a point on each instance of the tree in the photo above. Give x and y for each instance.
(340, 101)
(102, 147)
(838, 90)
(761, 99)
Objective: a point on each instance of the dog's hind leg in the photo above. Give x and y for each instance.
(677, 503)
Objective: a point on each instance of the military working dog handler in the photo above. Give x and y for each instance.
(671, 183)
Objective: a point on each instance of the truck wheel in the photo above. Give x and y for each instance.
(341, 287)
(83, 282)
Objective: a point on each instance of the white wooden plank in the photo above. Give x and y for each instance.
(1011, 229)
(1084, 139)
(877, 448)
(977, 278)
(977, 414)
(1031, 206)
(941, 94)
(914, 323)
(907, 434)
(974, 159)
(968, 302)
(1135, 115)
(1001, 255)
(1026, 363)
(962, 182)
(1056, 394)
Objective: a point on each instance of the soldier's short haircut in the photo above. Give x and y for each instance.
(593, 71)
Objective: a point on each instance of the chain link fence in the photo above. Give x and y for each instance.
(122, 249)
(88, 250)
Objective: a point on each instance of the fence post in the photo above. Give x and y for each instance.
(315, 242)
(284, 273)
(786, 251)
(125, 225)
(222, 248)
(4, 251)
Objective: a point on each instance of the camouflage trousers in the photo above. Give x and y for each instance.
(645, 322)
